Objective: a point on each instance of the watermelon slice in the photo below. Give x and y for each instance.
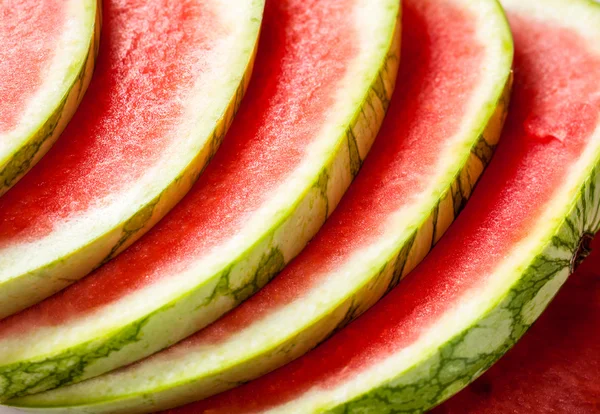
(398, 219)
(47, 58)
(169, 78)
(324, 76)
(525, 228)
(560, 355)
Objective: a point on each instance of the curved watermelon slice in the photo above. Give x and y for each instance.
(47, 58)
(314, 107)
(524, 229)
(169, 78)
(397, 220)
(555, 368)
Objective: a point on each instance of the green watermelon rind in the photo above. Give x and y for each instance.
(41, 138)
(33, 286)
(246, 273)
(444, 371)
(456, 189)
(446, 367)
(178, 392)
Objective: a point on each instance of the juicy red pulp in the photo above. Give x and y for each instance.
(148, 61)
(548, 127)
(422, 117)
(304, 52)
(556, 367)
(29, 33)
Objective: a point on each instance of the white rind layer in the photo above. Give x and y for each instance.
(75, 56)
(33, 270)
(263, 341)
(182, 303)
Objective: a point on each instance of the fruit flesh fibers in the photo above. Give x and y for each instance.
(29, 31)
(556, 366)
(548, 127)
(268, 139)
(124, 122)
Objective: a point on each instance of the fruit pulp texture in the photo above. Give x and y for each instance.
(29, 33)
(29, 30)
(546, 131)
(294, 82)
(148, 60)
(402, 162)
(555, 368)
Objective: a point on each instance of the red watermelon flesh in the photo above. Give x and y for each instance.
(555, 368)
(399, 167)
(553, 113)
(303, 105)
(268, 139)
(122, 125)
(29, 31)
(169, 79)
(436, 110)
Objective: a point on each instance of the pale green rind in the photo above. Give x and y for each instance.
(36, 285)
(441, 371)
(92, 396)
(32, 148)
(460, 361)
(290, 230)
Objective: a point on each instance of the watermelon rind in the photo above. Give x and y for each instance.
(138, 327)
(484, 326)
(166, 382)
(31, 272)
(470, 339)
(59, 96)
(441, 368)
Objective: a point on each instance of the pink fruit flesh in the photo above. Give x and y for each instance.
(304, 51)
(553, 112)
(556, 367)
(29, 33)
(423, 115)
(147, 62)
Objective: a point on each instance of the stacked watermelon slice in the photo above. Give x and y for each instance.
(238, 214)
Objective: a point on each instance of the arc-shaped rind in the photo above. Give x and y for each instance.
(69, 366)
(155, 209)
(102, 249)
(413, 250)
(36, 146)
(391, 271)
(244, 275)
(459, 361)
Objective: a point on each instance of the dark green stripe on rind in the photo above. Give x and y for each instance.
(243, 276)
(459, 192)
(108, 245)
(270, 264)
(448, 370)
(43, 138)
(68, 367)
(355, 160)
(29, 378)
